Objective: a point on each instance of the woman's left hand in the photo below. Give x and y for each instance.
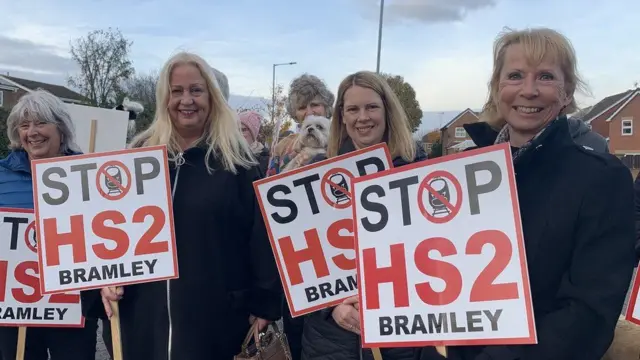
(262, 323)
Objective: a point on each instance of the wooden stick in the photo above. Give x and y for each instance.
(116, 340)
(377, 355)
(22, 342)
(442, 350)
(92, 135)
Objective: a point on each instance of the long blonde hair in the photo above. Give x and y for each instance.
(221, 135)
(397, 134)
(538, 44)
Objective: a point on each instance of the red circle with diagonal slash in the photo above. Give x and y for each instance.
(453, 208)
(124, 189)
(31, 227)
(326, 182)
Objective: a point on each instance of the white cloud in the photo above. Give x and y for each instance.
(427, 11)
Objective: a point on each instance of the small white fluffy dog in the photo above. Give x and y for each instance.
(310, 142)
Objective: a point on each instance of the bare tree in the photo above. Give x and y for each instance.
(142, 88)
(281, 120)
(103, 58)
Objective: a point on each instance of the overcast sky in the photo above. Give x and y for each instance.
(442, 47)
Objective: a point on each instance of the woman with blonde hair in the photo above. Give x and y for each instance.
(576, 203)
(228, 275)
(367, 112)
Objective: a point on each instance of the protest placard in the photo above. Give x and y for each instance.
(309, 220)
(633, 308)
(21, 302)
(104, 219)
(441, 257)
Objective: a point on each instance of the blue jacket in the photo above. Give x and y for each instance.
(16, 188)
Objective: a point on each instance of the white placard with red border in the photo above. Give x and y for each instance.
(307, 212)
(441, 257)
(633, 308)
(21, 302)
(104, 219)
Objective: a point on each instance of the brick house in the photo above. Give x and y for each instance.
(617, 118)
(12, 88)
(453, 133)
(598, 114)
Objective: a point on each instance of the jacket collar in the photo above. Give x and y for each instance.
(556, 136)
(347, 147)
(18, 160)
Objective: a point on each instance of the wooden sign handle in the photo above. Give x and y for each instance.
(116, 339)
(442, 350)
(377, 355)
(22, 343)
(92, 135)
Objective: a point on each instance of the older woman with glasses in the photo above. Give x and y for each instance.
(39, 127)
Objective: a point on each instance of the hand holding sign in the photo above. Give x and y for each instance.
(110, 294)
(346, 315)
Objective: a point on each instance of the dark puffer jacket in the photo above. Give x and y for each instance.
(323, 339)
(577, 209)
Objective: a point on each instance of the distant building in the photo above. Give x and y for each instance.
(454, 137)
(12, 88)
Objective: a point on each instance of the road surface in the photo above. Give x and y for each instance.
(102, 354)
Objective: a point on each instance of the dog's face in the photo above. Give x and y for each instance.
(314, 132)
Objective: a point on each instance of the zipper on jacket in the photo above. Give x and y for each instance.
(179, 162)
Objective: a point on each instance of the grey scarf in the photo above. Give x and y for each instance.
(504, 137)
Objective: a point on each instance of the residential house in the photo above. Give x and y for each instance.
(429, 139)
(617, 118)
(12, 88)
(454, 137)
(8, 94)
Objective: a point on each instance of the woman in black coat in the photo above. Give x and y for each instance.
(576, 204)
(228, 277)
(367, 112)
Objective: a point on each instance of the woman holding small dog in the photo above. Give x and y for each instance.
(308, 95)
(367, 112)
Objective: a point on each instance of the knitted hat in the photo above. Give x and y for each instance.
(252, 120)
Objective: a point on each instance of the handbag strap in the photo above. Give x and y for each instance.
(377, 355)
(253, 332)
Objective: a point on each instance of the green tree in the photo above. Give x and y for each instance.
(4, 140)
(436, 149)
(103, 59)
(407, 96)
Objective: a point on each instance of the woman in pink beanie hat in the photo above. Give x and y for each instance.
(250, 122)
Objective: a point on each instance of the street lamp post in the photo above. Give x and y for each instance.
(380, 34)
(273, 89)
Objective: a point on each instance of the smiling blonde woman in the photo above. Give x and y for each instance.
(576, 204)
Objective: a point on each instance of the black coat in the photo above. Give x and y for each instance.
(323, 339)
(226, 266)
(577, 214)
(263, 160)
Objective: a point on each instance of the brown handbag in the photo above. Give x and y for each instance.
(272, 345)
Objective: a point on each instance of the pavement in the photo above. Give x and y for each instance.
(102, 354)
(101, 350)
